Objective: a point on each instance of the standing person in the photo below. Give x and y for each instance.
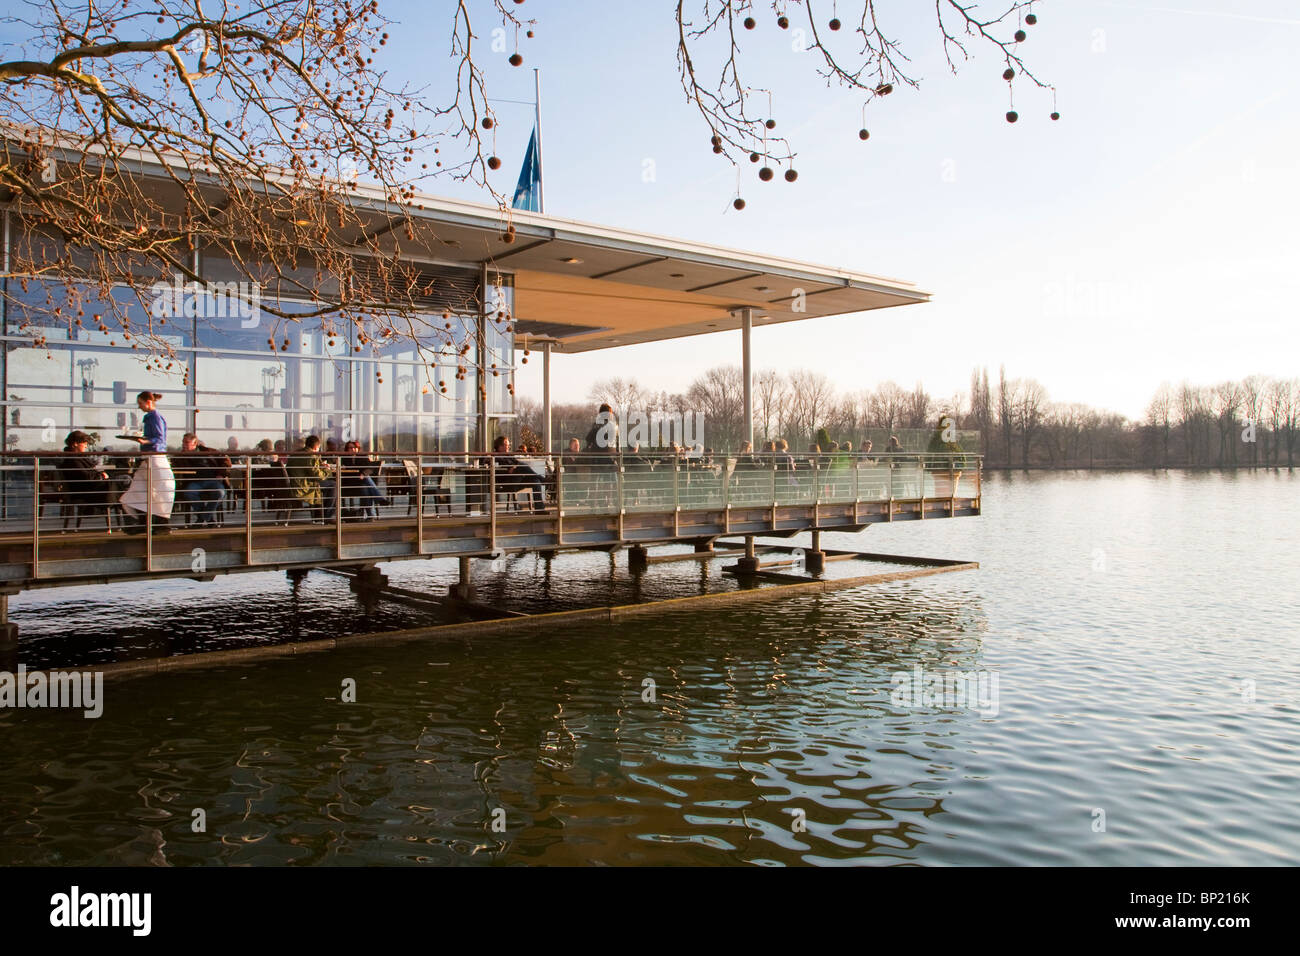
(603, 434)
(306, 472)
(154, 469)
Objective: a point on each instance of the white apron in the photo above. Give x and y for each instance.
(136, 497)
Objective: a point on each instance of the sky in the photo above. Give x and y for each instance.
(1150, 235)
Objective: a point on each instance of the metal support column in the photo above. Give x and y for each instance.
(546, 399)
(747, 368)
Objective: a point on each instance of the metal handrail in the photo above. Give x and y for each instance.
(281, 489)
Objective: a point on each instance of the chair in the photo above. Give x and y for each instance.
(55, 488)
(439, 491)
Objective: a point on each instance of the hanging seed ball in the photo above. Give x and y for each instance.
(516, 59)
(487, 122)
(494, 163)
(782, 22)
(1020, 36)
(1031, 18)
(884, 89)
(835, 24)
(1012, 116)
(715, 139)
(530, 34)
(750, 23)
(1055, 115)
(863, 134)
(753, 157)
(1008, 74)
(766, 174)
(738, 203)
(791, 175)
(770, 124)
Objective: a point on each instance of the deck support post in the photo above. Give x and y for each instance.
(637, 558)
(369, 578)
(704, 546)
(749, 563)
(8, 631)
(464, 588)
(295, 575)
(815, 559)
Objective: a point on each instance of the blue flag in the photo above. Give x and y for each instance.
(528, 194)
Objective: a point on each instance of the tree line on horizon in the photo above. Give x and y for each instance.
(1246, 423)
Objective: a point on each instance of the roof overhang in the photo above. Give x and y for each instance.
(592, 287)
(580, 285)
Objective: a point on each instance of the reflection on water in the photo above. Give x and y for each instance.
(1125, 616)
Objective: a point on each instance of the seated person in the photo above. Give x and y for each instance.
(513, 475)
(202, 477)
(85, 484)
(271, 478)
(357, 483)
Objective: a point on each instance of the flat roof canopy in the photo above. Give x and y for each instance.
(584, 286)
(592, 287)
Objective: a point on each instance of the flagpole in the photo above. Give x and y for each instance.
(541, 194)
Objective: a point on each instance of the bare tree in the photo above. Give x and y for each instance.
(919, 407)
(719, 395)
(857, 53)
(771, 395)
(1160, 417)
(261, 118)
(1253, 389)
(888, 406)
(811, 397)
(1030, 400)
(621, 393)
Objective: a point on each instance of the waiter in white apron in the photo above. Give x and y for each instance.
(156, 493)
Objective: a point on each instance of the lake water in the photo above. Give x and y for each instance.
(1141, 629)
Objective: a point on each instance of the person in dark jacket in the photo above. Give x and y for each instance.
(202, 476)
(512, 475)
(85, 484)
(357, 481)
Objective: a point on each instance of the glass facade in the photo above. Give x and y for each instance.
(325, 377)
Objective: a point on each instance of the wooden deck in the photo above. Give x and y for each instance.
(58, 558)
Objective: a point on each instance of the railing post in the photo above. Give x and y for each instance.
(248, 510)
(892, 469)
(338, 507)
(492, 501)
(36, 517)
(148, 512)
(559, 503)
(677, 500)
(419, 504)
(774, 491)
(619, 489)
